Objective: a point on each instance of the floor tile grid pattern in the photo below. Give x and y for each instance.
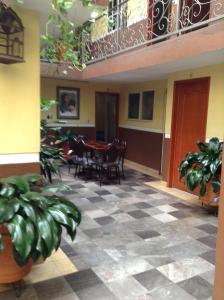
(134, 242)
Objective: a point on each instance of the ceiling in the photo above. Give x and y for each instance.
(156, 72)
(161, 71)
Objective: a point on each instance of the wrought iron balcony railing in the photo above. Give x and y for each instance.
(134, 23)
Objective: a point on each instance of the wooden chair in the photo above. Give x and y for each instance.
(109, 166)
(123, 149)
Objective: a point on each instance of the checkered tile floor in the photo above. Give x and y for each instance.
(134, 243)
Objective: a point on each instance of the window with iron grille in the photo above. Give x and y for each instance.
(117, 14)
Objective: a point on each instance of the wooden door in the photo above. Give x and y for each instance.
(219, 270)
(189, 122)
(101, 118)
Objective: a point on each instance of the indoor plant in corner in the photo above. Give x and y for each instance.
(203, 170)
(31, 222)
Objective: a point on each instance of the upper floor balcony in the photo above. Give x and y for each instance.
(129, 24)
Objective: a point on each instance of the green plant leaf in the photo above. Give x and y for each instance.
(214, 165)
(32, 178)
(18, 182)
(202, 146)
(216, 184)
(8, 208)
(40, 200)
(7, 190)
(62, 217)
(29, 211)
(30, 232)
(193, 179)
(17, 229)
(45, 231)
(60, 188)
(41, 249)
(203, 189)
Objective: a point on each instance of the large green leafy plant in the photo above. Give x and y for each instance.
(62, 41)
(66, 44)
(203, 167)
(34, 219)
(50, 154)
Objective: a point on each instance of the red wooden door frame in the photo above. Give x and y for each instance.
(219, 265)
(174, 122)
(117, 109)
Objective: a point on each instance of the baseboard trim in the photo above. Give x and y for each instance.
(142, 169)
(7, 170)
(19, 158)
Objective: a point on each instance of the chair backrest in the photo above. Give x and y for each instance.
(112, 154)
(123, 148)
(81, 148)
(73, 145)
(83, 137)
(115, 141)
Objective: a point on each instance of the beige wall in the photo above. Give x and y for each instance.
(215, 121)
(87, 100)
(20, 95)
(159, 87)
(87, 97)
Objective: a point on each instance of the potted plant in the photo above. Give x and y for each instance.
(64, 137)
(31, 222)
(202, 170)
(50, 154)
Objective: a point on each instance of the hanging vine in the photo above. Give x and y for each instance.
(62, 40)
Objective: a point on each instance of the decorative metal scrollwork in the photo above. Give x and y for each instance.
(135, 23)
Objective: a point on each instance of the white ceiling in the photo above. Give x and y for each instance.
(161, 71)
(156, 72)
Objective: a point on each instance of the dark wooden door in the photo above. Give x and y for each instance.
(106, 116)
(189, 122)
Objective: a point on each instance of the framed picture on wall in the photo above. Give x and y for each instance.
(68, 103)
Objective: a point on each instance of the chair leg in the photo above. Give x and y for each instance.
(118, 175)
(100, 175)
(76, 170)
(123, 171)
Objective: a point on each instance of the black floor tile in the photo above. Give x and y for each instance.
(82, 280)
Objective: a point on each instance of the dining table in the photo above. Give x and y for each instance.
(99, 146)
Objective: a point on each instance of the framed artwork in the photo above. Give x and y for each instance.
(68, 103)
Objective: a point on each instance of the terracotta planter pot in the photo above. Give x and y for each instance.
(9, 270)
(209, 196)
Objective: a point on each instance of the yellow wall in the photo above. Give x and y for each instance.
(159, 87)
(87, 97)
(87, 100)
(20, 95)
(215, 121)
